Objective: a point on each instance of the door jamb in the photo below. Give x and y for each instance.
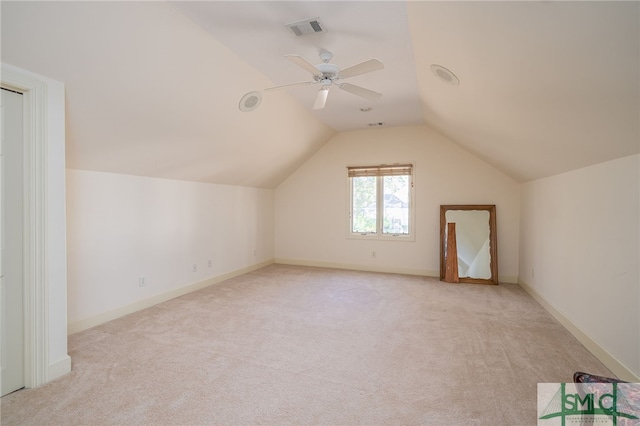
(37, 257)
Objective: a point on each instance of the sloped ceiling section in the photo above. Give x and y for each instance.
(150, 93)
(545, 87)
(153, 87)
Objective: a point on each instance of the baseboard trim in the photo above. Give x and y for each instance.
(59, 368)
(366, 268)
(369, 268)
(610, 361)
(511, 279)
(104, 317)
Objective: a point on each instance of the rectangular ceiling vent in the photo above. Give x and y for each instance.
(306, 27)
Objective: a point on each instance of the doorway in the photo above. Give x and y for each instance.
(11, 244)
(44, 278)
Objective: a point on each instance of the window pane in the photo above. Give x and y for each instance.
(364, 206)
(395, 218)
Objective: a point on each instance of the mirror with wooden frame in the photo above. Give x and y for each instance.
(472, 255)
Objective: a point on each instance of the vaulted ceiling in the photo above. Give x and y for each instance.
(153, 87)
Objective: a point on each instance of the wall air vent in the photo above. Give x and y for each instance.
(306, 27)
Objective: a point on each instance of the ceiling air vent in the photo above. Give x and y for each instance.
(308, 26)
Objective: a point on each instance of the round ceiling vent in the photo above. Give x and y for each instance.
(250, 101)
(445, 75)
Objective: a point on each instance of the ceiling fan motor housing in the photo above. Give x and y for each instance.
(328, 71)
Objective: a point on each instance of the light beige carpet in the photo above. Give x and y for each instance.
(299, 345)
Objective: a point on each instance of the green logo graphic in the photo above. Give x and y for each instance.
(594, 399)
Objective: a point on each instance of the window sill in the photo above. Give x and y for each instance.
(389, 237)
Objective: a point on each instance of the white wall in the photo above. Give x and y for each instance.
(122, 227)
(312, 204)
(579, 253)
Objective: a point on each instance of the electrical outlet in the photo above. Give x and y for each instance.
(373, 254)
(533, 272)
(195, 268)
(142, 281)
(209, 263)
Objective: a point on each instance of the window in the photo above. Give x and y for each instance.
(380, 201)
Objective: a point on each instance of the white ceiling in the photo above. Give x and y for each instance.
(546, 87)
(256, 32)
(153, 87)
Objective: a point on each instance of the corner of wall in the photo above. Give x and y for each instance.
(611, 362)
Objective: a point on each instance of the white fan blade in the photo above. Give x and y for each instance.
(361, 68)
(302, 63)
(360, 91)
(321, 98)
(302, 83)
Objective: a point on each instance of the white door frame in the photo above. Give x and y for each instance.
(45, 353)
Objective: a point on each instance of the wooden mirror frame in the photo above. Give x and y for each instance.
(493, 245)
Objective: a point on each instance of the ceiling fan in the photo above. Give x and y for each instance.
(326, 74)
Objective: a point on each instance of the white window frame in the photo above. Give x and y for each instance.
(378, 235)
